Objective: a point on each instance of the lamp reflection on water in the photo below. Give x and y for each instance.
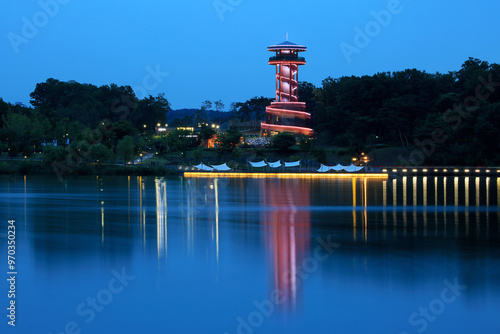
(384, 200)
(216, 189)
(424, 181)
(102, 222)
(455, 193)
(498, 191)
(414, 179)
(200, 210)
(394, 204)
(466, 186)
(354, 220)
(142, 212)
(161, 217)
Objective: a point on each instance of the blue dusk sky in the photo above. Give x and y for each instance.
(196, 50)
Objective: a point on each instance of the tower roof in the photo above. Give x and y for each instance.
(287, 46)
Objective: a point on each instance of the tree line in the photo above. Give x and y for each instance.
(70, 110)
(439, 119)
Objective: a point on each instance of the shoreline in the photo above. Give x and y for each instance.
(24, 167)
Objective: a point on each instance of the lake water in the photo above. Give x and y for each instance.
(178, 255)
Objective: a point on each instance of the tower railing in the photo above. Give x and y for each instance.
(287, 57)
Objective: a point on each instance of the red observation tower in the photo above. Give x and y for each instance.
(287, 114)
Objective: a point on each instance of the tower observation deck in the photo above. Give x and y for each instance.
(287, 114)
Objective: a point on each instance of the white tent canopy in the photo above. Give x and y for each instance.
(258, 164)
(339, 167)
(203, 167)
(274, 164)
(352, 168)
(292, 164)
(222, 167)
(324, 168)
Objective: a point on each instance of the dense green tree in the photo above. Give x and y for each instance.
(17, 126)
(177, 140)
(123, 128)
(252, 110)
(100, 153)
(4, 107)
(219, 107)
(153, 111)
(125, 149)
(283, 142)
(54, 154)
(201, 115)
(229, 139)
(319, 154)
(306, 94)
(305, 146)
(205, 134)
(404, 108)
(89, 104)
(198, 154)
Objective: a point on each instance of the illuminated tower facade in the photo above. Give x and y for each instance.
(287, 114)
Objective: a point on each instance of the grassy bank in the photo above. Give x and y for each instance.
(26, 167)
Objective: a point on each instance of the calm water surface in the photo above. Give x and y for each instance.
(154, 255)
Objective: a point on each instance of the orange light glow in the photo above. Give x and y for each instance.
(288, 175)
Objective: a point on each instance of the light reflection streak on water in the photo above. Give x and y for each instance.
(435, 204)
(354, 207)
(466, 186)
(24, 205)
(161, 217)
(384, 200)
(365, 204)
(405, 203)
(444, 204)
(424, 180)
(498, 191)
(216, 189)
(128, 206)
(455, 193)
(102, 222)
(190, 215)
(394, 204)
(464, 199)
(487, 203)
(478, 203)
(414, 203)
(139, 199)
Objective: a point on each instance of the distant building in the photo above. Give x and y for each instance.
(242, 126)
(287, 114)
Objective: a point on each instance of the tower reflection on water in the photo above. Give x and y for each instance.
(287, 229)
